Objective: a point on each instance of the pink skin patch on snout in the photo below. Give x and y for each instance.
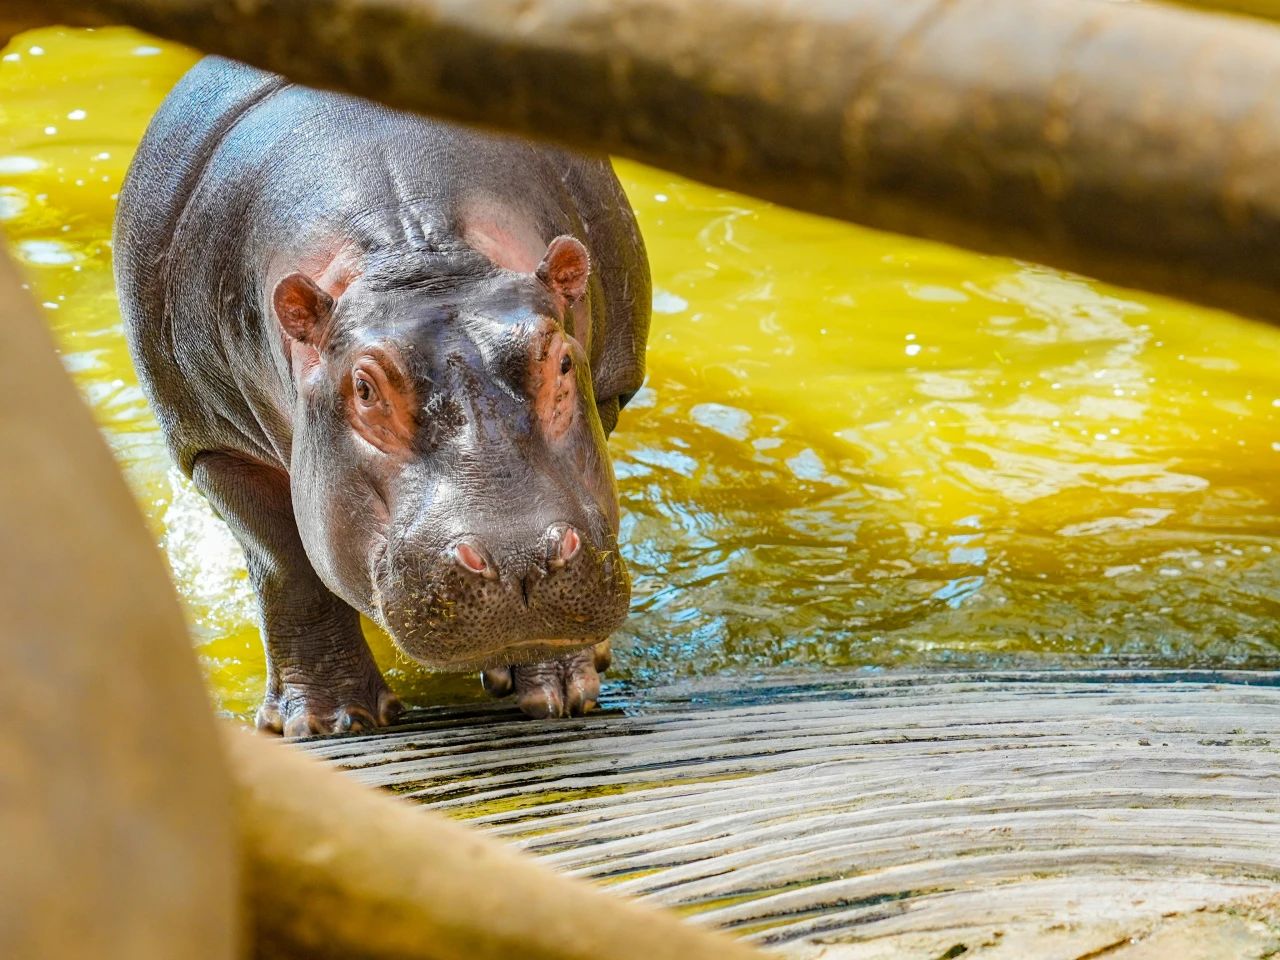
(569, 545)
(555, 381)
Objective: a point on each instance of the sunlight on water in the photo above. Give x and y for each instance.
(853, 449)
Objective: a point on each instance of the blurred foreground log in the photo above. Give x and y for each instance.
(118, 826)
(1268, 9)
(116, 834)
(1136, 143)
(336, 870)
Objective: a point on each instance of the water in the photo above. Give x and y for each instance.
(853, 450)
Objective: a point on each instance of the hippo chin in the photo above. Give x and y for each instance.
(389, 352)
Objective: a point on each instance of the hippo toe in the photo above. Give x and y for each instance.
(568, 686)
(308, 711)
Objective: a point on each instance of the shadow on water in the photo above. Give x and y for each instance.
(853, 449)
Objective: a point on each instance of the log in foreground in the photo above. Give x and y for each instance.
(1135, 143)
(117, 812)
(1267, 9)
(116, 834)
(998, 816)
(335, 869)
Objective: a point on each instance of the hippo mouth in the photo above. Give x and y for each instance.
(448, 618)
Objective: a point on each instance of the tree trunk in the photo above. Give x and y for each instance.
(118, 807)
(1267, 9)
(1136, 143)
(337, 870)
(116, 833)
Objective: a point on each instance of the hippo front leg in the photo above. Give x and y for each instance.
(321, 677)
(568, 686)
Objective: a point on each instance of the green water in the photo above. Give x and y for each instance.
(853, 449)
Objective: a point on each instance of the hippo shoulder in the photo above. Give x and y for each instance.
(184, 133)
(171, 161)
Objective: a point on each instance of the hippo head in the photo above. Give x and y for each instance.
(449, 471)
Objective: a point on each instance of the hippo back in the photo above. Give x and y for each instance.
(241, 170)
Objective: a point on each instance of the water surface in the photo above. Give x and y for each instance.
(853, 449)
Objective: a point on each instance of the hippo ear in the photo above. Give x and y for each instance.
(302, 307)
(565, 268)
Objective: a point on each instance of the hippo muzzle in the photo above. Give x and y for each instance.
(475, 600)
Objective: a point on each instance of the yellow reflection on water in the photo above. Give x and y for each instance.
(853, 449)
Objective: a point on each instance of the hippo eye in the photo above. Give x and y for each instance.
(364, 389)
(565, 363)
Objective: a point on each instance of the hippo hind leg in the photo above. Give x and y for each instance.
(321, 677)
(568, 686)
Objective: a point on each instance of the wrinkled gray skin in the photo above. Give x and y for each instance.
(369, 351)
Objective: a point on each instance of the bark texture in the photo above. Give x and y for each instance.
(336, 870)
(1136, 143)
(1267, 9)
(118, 826)
(116, 834)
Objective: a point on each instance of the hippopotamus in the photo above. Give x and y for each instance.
(389, 351)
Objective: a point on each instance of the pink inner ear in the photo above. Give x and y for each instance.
(301, 306)
(565, 268)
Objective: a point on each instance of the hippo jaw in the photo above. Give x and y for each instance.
(455, 619)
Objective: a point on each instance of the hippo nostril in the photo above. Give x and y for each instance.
(569, 544)
(564, 545)
(470, 556)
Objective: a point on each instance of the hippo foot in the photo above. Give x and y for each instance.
(568, 686)
(306, 711)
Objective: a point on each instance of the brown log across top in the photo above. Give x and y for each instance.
(1269, 9)
(1139, 144)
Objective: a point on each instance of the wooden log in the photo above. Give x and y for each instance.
(1266, 9)
(1013, 815)
(116, 806)
(337, 870)
(116, 836)
(1136, 143)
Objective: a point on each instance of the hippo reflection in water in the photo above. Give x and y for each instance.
(388, 351)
